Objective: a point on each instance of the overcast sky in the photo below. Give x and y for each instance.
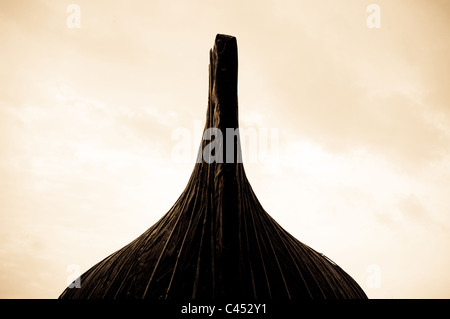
(88, 115)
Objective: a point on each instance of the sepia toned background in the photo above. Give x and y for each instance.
(362, 172)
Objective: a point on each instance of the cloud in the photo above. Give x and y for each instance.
(359, 87)
(412, 207)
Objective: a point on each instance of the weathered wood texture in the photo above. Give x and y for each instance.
(217, 241)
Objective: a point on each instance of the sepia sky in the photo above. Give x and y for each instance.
(87, 119)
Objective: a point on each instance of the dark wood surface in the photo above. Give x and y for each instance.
(217, 241)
